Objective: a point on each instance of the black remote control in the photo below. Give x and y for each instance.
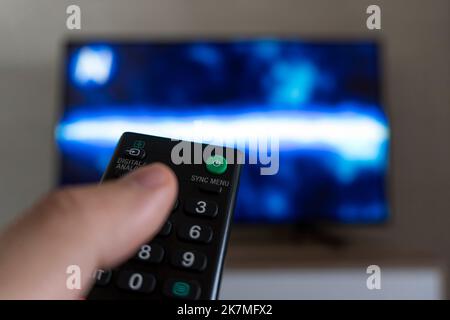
(185, 260)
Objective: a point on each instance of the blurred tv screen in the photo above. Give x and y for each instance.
(320, 98)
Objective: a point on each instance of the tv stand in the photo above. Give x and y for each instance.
(273, 270)
(300, 235)
(318, 234)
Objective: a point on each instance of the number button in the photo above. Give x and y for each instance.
(196, 233)
(201, 208)
(136, 281)
(166, 229)
(187, 259)
(176, 205)
(151, 253)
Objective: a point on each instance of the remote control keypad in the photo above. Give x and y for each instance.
(153, 253)
(186, 259)
(173, 264)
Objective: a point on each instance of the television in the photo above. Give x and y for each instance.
(321, 98)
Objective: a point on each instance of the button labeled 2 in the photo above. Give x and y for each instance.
(189, 259)
(199, 207)
(196, 233)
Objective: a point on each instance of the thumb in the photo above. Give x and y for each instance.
(91, 227)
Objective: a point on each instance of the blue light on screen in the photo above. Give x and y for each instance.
(292, 84)
(321, 100)
(93, 65)
(353, 136)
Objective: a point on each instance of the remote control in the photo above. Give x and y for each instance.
(185, 260)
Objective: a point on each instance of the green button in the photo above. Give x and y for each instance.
(181, 289)
(216, 164)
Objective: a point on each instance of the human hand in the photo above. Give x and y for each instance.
(90, 226)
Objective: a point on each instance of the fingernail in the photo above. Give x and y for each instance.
(150, 176)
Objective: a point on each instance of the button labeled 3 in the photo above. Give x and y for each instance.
(199, 207)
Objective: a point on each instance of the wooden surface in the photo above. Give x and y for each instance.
(291, 254)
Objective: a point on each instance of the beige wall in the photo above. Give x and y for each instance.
(416, 35)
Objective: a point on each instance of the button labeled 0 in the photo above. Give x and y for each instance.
(136, 281)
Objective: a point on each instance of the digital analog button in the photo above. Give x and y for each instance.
(135, 153)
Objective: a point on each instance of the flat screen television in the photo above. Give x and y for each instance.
(322, 97)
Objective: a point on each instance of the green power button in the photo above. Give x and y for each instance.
(216, 164)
